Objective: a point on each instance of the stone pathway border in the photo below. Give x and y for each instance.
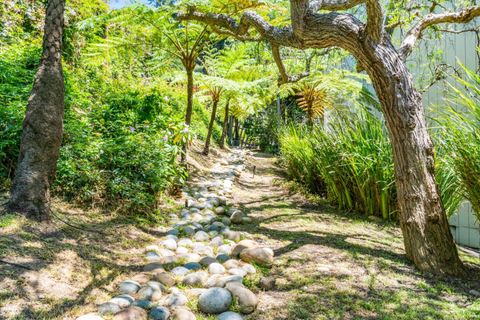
(200, 262)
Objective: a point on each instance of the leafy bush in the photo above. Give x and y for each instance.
(17, 68)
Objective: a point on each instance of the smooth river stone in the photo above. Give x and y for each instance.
(165, 278)
(90, 316)
(247, 300)
(216, 268)
(182, 250)
(108, 308)
(193, 266)
(185, 242)
(175, 299)
(229, 315)
(123, 301)
(206, 261)
(179, 271)
(170, 244)
(196, 279)
(159, 313)
(225, 249)
(217, 241)
(258, 255)
(129, 287)
(180, 313)
(242, 245)
(131, 313)
(215, 301)
(201, 236)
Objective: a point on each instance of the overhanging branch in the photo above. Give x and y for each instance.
(240, 30)
(464, 16)
(284, 77)
(334, 5)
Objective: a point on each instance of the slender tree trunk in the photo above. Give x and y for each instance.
(225, 125)
(428, 241)
(43, 125)
(279, 112)
(237, 138)
(188, 112)
(210, 127)
(230, 130)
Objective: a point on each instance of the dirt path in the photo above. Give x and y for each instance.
(338, 266)
(328, 264)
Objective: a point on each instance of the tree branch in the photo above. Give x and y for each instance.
(464, 16)
(239, 30)
(334, 5)
(284, 77)
(375, 27)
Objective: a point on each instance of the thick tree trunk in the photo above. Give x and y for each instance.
(42, 126)
(188, 112)
(225, 125)
(428, 241)
(210, 127)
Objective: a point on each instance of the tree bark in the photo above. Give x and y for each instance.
(428, 241)
(236, 132)
(225, 125)
(43, 125)
(210, 127)
(188, 112)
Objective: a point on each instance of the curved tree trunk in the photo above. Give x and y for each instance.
(43, 125)
(428, 241)
(225, 125)
(188, 112)
(210, 127)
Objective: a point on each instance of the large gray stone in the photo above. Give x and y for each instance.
(129, 287)
(242, 245)
(215, 301)
(229, 315)
(258, 255)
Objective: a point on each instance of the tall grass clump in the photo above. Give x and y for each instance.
(460, 135)
(351, 159)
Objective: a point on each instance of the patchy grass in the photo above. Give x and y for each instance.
(60, 269)
(334, 265)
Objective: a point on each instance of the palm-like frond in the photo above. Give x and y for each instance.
(314, 100)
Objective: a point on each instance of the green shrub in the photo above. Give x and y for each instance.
(17, 69)
(350, 162)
